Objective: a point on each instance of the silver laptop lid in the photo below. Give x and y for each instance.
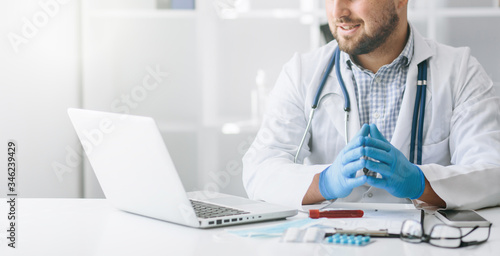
(121, 159)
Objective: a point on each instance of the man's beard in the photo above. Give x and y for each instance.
(366, 44)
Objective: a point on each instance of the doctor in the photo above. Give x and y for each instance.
(380, 52)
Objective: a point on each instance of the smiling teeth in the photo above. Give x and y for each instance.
(348, 27)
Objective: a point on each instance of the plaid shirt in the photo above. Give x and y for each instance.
(379, 95)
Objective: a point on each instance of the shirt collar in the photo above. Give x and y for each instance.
(404, 58)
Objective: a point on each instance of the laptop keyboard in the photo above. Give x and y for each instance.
(205, 210)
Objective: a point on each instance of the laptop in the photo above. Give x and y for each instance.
(137, 175)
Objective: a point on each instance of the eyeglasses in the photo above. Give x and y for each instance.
(443, 235)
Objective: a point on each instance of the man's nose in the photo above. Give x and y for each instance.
(339, 8)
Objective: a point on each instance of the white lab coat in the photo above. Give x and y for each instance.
(461, 139)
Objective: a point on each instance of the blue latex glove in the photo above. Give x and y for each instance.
(338, 180)
(399, 177)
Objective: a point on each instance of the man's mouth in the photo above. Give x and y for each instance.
(348, 27)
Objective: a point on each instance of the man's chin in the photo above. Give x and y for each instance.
(346, 47)
(347, 44)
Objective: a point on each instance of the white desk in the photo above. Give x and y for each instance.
(93, 227)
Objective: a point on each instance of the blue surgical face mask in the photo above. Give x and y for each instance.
(275, 230)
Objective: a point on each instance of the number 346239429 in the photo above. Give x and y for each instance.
(11, 166)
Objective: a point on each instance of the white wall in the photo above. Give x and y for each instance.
(39, 79)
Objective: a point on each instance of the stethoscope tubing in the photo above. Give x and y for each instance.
(334, 61)
(418, 114)
(419, 106)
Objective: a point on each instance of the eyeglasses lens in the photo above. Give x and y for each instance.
(479, 234)
(445, 236)
(411, 231)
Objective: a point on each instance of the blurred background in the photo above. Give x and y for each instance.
(201, 68)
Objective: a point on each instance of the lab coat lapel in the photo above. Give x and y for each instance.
(332, 102)
(401, 137)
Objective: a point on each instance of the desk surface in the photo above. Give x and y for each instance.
(93, 227)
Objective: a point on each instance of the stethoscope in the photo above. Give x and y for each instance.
(417, 117)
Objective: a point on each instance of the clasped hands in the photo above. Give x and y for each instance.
(369, 149)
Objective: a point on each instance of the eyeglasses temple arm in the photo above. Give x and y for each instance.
(464, 244)
(422, 217)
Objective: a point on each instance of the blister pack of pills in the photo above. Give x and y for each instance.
(345, 239)
(317, 235)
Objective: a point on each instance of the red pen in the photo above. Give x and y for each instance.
(315, 214)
